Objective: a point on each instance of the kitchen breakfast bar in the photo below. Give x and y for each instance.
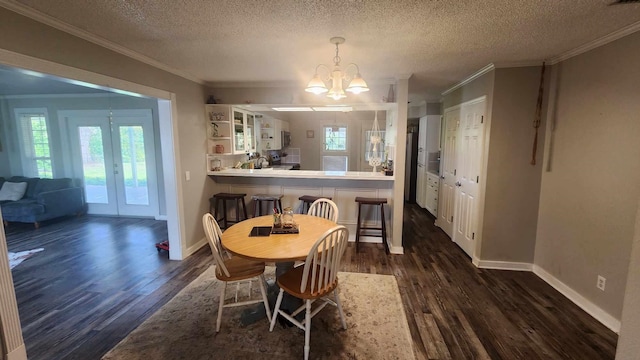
(342, 187)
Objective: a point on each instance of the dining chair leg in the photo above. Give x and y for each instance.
(276, 310)
(221, 306)
(307, 330)
(339, 306)
(263, 290)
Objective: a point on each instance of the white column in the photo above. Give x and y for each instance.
(402, 98)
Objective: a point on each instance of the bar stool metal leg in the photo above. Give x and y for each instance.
(224, 209)
(358, 229)
(384, 229)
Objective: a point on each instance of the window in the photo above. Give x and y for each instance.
(335, 157)
(335, 138)
(34, 142)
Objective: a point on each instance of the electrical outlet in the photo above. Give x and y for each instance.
(602, 282)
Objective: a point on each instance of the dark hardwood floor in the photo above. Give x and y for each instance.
(99, 278)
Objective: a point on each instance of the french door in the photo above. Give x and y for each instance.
(114, 154)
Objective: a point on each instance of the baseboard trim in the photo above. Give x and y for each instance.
(195, 247)
(502, 265)
(20, 353)
(582, 302)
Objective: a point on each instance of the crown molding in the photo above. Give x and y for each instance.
(627, 30)
(618, 34)
(515, 64)
(470, 78)
(59, 96)
(85, 35)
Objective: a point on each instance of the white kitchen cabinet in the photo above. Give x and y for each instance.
(230, 130)
(219, 140)
(431, 193)
(421, 186)
(244, 134)
(270, 137)
(428, 162)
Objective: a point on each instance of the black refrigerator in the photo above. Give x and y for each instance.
(411, 168)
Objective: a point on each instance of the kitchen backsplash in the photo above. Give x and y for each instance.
(293, 156)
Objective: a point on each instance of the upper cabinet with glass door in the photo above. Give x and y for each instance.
(243, 131)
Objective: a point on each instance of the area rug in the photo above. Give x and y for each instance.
(16, 258)
(185, 327)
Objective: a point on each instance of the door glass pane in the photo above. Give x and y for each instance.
(93, 167)
(238, 130)
(335, 163)
(134, 166)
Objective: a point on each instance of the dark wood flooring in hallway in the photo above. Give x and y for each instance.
(99, 278)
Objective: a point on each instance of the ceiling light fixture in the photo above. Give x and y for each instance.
(351, 75)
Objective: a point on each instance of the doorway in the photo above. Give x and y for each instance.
(113, 152)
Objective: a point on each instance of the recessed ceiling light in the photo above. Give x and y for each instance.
(333, 108)
(292, 109)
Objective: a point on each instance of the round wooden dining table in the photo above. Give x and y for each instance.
(275, 247)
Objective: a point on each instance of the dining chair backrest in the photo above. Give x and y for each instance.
(213, 233)
(324, 208)
(323, 262)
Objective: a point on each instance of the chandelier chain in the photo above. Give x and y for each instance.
(336, 59)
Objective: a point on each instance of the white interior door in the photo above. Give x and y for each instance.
(114, 154)
(446, 197)
(468, 167)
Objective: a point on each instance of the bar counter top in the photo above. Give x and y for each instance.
(302, 174)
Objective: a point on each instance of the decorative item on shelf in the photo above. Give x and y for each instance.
(391, 96)
(219, 149)
(214, 130)
(216, 165)
(336, 76)
(376, 146)
(211, 100)
(216, 116)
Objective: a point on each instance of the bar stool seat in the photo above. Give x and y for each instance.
(214, 203)
(259, 198)
(362, 230)
(307, 200)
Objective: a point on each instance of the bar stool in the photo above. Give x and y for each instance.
(259, 198)
(307, 200)
(383, 230)
(214, 204)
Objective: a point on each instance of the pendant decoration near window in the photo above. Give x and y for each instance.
(376, 145)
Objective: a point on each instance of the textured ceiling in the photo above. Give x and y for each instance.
(439, 42)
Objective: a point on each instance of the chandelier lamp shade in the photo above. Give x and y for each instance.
(337, 77)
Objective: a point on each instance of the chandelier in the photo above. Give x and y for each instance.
(351, 75)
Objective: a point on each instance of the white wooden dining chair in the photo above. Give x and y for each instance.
(324, 208)
(233, 270)
(316, 280)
